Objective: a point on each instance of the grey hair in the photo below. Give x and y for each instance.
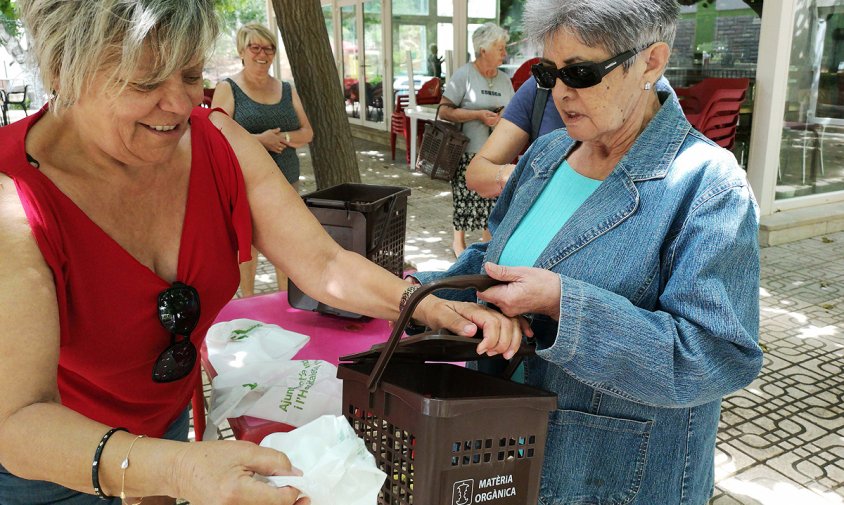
(72, 40)
(486, 35)
(615, 25)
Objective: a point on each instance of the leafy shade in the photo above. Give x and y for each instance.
(236, 13)
(756, 5)
(9, 18)
(7, 8)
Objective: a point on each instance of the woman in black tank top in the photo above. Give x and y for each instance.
(270, 110)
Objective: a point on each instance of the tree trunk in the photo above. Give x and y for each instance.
(303, 30)
(11, 44)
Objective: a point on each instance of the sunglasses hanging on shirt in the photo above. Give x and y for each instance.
(178, 312)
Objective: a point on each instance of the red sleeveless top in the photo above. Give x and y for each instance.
(107, 300)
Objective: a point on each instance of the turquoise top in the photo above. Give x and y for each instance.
(563, 195)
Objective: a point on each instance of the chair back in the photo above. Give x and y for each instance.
(430, 92)
(698, 99)
(522, 73)
(207, 96)
(16, 95)
(401, 103)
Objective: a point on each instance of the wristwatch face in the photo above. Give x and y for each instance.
(286, 137)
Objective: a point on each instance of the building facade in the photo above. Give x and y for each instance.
(790, 136)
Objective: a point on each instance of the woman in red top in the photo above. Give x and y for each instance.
(124, 212)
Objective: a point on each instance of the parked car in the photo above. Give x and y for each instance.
(400, 83)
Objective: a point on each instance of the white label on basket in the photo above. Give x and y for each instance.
(462, 492)
(502, 487)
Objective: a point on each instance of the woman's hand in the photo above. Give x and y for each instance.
(527, 290)
(501, 334)
(488, 117)
(272, 140)
(221, 473)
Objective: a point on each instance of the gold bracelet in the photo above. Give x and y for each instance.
(124, 465)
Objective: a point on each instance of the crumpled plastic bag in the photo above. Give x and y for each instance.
(290, 392)
(335, 464)
(240, 343)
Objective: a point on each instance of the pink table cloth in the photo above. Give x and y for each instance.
(331, 337)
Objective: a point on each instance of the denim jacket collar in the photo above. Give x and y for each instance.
(660, 141)
(616, 199)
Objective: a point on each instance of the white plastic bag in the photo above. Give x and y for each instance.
(240, 343)
(335, 464)
(291, 392)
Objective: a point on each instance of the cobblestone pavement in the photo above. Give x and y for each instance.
(781, 440)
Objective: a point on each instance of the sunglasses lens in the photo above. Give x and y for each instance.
(544, 75)
(178, 309)
(175, 362)
(580, 76)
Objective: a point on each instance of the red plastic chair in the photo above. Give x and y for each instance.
(399, 125)
(429, 93)
(522, 73)
(698, 101)
(207, 96)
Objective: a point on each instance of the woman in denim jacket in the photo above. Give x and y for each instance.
(630, 242)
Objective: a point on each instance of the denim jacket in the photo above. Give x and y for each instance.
(659, 314)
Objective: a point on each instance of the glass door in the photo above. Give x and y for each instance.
(373, 64)
(363, 60)
(350, 64)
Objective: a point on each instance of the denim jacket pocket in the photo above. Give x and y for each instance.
(593, 460)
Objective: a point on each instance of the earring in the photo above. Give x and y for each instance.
(647, 86)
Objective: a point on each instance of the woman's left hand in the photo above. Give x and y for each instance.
(528, 290)
(501, 334)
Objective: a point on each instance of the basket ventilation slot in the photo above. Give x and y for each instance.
(478, 452)
(394, 451)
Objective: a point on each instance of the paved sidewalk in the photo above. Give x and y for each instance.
(781, 440)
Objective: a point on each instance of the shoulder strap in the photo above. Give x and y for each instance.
(539, 102)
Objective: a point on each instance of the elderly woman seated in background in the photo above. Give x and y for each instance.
(630, 242)
(125, 210)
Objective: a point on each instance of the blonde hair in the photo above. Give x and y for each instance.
(248, 32)
(72, 40)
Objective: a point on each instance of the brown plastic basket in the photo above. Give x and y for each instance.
(443, 144)
(442, 433)
(365, 218)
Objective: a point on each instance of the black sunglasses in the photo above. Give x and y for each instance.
(178, 311)
(579, 75)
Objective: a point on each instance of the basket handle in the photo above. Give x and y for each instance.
(480, 282)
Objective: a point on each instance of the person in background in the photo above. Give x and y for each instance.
(270, 110)
(475, 96)
(629, 240)
(125, 209)
(491, 167)
(435, 62)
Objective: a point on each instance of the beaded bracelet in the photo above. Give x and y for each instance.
(406, 296)
(95, 465)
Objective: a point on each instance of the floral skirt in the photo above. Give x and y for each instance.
(471, 210)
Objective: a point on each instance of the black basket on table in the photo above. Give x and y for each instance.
(368, 219)
(445, 434)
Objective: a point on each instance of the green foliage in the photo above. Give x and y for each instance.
(236, 13)
(756, 5)
(9, 17)
(7, 8)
